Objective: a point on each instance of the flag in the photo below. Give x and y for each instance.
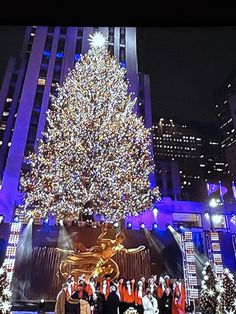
(223, 190)
(211, 188)
(234, 190)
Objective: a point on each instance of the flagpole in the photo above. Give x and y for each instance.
(224, 208)
(234, 190)
(209, 207)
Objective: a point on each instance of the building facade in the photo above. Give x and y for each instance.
(47, 55)
(187, 156)
(225, 105)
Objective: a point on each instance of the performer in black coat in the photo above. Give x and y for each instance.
(99, 303)
(165, 304)
(112, 302)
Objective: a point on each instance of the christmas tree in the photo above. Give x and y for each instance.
(209, 291)
(5, 292)
(227, 293)
(95, 153)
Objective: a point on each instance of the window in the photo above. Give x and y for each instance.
(218, 221)
(187, 220)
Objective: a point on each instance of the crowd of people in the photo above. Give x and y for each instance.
(152, 296)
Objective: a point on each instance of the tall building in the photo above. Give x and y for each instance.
(225, 104)
(186, 156)
(213, 165)
(47, 54)
(178, 145)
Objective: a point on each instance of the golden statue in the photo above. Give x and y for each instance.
(95, 261)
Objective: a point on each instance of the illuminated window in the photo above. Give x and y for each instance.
(218, 221)
(41, 81)
(194, 220)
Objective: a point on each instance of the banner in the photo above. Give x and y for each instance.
(211, 188)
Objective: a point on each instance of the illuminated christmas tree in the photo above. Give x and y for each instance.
(209, 291)
(227, 293)
(5, 292)
(95, 153)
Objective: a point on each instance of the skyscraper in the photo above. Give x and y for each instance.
(186, 155)
(225, 104)
(47, 54)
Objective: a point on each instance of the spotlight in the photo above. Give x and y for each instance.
(181, 229)
(129, 225)
(16, 218)
(155, 212)
(45, 220)
(2, 218)
(214, 202)
(167, 225)
(31, 219)
(142, 225)
(116, 224)
(154, 226)
(41, 303)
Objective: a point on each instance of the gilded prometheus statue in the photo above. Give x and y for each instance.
(95, 261)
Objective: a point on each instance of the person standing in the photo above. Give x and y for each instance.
(139, 294)
(160, 288)
(178, 304)
(78, 302)
(165, 304)
(72, 285)
(105, 288)
(99, 302)
(152, 286)
(121, 289)
(61, 300)
(150, 305)
(167, 280)
(112, 303)
(129, 294)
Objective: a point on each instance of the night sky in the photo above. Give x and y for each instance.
(185, 65)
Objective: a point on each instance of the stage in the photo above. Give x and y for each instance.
(37, 255)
